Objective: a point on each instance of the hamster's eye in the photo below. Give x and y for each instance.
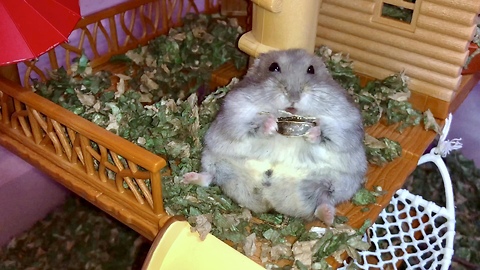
(310, 70)
(274, 67)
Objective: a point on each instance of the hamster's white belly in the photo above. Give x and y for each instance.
(257, 168)
(280, 186)
(276, 170)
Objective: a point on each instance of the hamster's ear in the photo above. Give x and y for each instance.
(252, 70)
(319, 59)
(255, 63)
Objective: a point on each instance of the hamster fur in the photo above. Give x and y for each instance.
(263, 170)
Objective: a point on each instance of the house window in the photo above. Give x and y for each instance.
(397, 13)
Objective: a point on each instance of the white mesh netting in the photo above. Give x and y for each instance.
(411, 232)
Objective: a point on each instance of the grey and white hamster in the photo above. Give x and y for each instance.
(263, 170)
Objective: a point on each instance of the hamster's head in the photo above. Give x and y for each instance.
(295, 81)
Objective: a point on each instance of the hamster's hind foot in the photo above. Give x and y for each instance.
(326, 213)
(201, 179)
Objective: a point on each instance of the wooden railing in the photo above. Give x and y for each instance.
(99, 159)
(118, 176)
(114, 31)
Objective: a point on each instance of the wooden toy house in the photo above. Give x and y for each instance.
(429, 42)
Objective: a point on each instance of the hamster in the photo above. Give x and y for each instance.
(263, 170)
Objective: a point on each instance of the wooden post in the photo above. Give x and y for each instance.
(10, 72)
(281, 24)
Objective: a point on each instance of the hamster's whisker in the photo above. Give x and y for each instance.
(275, 81)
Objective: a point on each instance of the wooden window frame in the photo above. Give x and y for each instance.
(409, 26)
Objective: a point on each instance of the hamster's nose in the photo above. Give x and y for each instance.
(291, 109)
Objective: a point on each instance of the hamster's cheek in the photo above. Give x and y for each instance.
(280, 102)
(306, 106)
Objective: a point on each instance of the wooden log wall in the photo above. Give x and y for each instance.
(431, 49)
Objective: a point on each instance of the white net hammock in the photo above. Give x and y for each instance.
(411, 232)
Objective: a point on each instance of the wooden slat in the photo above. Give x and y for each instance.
(112, 11)
(146, 159)
(381, 37)
(448, 14)
(430, 37)
(405, 56)
(380, 67)
(468, 83)
(120, 205)
(466, 5)
(363, 6)
(423, 102)
(452, 29)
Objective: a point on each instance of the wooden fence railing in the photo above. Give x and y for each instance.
(118, 176)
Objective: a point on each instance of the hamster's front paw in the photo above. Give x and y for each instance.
(313, 134)
(270, 125)
(326, 213)
(201, 179)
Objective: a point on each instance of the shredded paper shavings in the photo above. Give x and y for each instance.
(152, 106)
